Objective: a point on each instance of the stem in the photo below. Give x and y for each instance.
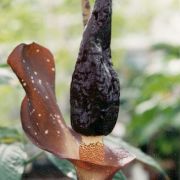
(94, 172)
(85, 174)
(86, 11)
(34, 157)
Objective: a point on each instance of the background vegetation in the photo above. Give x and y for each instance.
(146, 54)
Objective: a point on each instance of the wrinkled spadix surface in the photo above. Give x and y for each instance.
(95, 89)
(40, 115)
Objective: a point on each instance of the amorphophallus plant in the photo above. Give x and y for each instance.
(94, 100)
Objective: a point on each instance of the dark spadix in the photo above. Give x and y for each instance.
(95, 88)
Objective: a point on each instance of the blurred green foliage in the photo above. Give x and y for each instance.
(147, 65)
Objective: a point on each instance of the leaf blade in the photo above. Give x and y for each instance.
(65, 166)
(9, 135)
(140, 156)
(12, 158)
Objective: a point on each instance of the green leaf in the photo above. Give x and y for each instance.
(65, 166)
(3, 65)
(34, 157)
(140, 156)
(119, 176)
(5, 76)
(9, 135)
(12, 158)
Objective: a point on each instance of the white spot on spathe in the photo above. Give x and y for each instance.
(53, 116)
(34, 89)
(48, 60)
(28, 68)
(24, 84)
(23, 61)
(39, 115)
(46, 131)
(53, 69)
(32, 111)
(37, 50)
(35, 133)
(32, 77)
(46, 97)
(58, 132)
(40, 81)
(35, 72)
(61, 124)
(70, 174)
(33, 81)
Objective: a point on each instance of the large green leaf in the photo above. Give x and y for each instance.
(9, 135)
(12, 158)
(65, 166)
(146, 125)
(140, 156)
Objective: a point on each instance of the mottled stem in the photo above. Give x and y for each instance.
(86, 11)
(94, 174)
